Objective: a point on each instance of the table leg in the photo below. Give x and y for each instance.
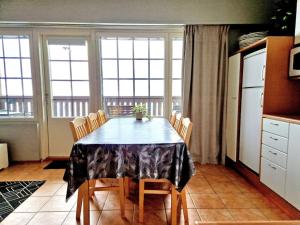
(141, 200)
(122, 197)
(173, 206)
(79, 204)
(86, 205)
(126, 186)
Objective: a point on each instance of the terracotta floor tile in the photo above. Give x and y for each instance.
(274, 214)
(17, 219)
(207, 201)
(193, 217)
(71, 218)
(203, 188)
(32, 204)
(151, 217)
(48, 218)
(112, 217)
(214, 215)
(225, 187)
(216, 178)
(48, 189)
(244, 186)
(113, 202)
(262, 203)
(190, 203)
(237, 201)
(59, 204)
(247, 214)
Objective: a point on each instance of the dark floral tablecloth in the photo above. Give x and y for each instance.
(126, 147)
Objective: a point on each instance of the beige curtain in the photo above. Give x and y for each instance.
(204, 89)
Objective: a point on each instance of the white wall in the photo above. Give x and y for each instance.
(137, 11)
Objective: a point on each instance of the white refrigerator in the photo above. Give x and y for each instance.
(251, 109)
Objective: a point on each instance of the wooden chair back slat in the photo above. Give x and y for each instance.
(79, 127)
(93, 121)
(172, 118)
(186, 130)
(177, 123)
(101, 117)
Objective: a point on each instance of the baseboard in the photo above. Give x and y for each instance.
(253, 178)
(51, 158)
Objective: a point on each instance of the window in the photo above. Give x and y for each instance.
(133, 72)
(176, 73)
(69, 77)
(15, 77)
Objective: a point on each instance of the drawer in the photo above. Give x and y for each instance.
(276, 127)
(275, 141)
(273, 176)
(274, 155)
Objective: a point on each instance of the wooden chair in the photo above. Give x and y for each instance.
(79, 127)
(178, 122)
(185, 133)
(93, 122)
(101, 117)
(172, 118)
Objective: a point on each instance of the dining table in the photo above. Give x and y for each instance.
(126, 147)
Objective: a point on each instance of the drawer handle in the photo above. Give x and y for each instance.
(275, 139)
(274, 153)
(275, 124)
(273, 167)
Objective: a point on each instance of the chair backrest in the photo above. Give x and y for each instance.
(79, 127)
(93, 123)
(172, 118)
(186, 130)
(101, 117)
(177, 123)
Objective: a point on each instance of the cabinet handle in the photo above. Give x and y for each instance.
(273, 167)
(275, 124)
(275, 139)
(262, 99)
(274, 153)
(263, 72)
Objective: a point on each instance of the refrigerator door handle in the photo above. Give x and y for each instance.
(262, 99)
(263, 72)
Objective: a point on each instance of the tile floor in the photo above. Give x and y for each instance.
(216, 193)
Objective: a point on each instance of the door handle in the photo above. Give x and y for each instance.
(274, 153)
(273, 167)
(263, 72)
(275, 124)
(275, 139)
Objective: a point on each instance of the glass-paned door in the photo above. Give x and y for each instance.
(68, 89)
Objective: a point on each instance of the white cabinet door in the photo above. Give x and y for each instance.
(254, 69)
(232, 105)
(293, 167)
(250, 130)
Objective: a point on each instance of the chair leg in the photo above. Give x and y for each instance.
(173, 206)
(92, 184)
(86, 203)
(122, 198)
(79, 204)
(184, 206)
(126, 186)
(141, 200)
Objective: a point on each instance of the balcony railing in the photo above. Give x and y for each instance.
(79, 106)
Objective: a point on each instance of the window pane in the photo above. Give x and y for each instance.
(26, 68)
(61, 88)
(110, 88)
(176, 68)
(2, 87)
(58, 52)
(156, 88)
(157, 68)
(25, 52)
(11, 47)
(176, 88)
(59, 70)
(3, 107)
(27, 84)
(109, 68)
(157, 49)
(1, 47)
(141, 88)
(79, 52)
(177, 49)
(80, 70)
(14, 87)
(125, 69)
(2, 74)
(109, 48)
(125, 48)
(141, 68)
(141, 48)
(13, 67)
(126, 88)
(81, 88)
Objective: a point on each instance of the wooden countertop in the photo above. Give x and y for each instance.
(284, 118)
